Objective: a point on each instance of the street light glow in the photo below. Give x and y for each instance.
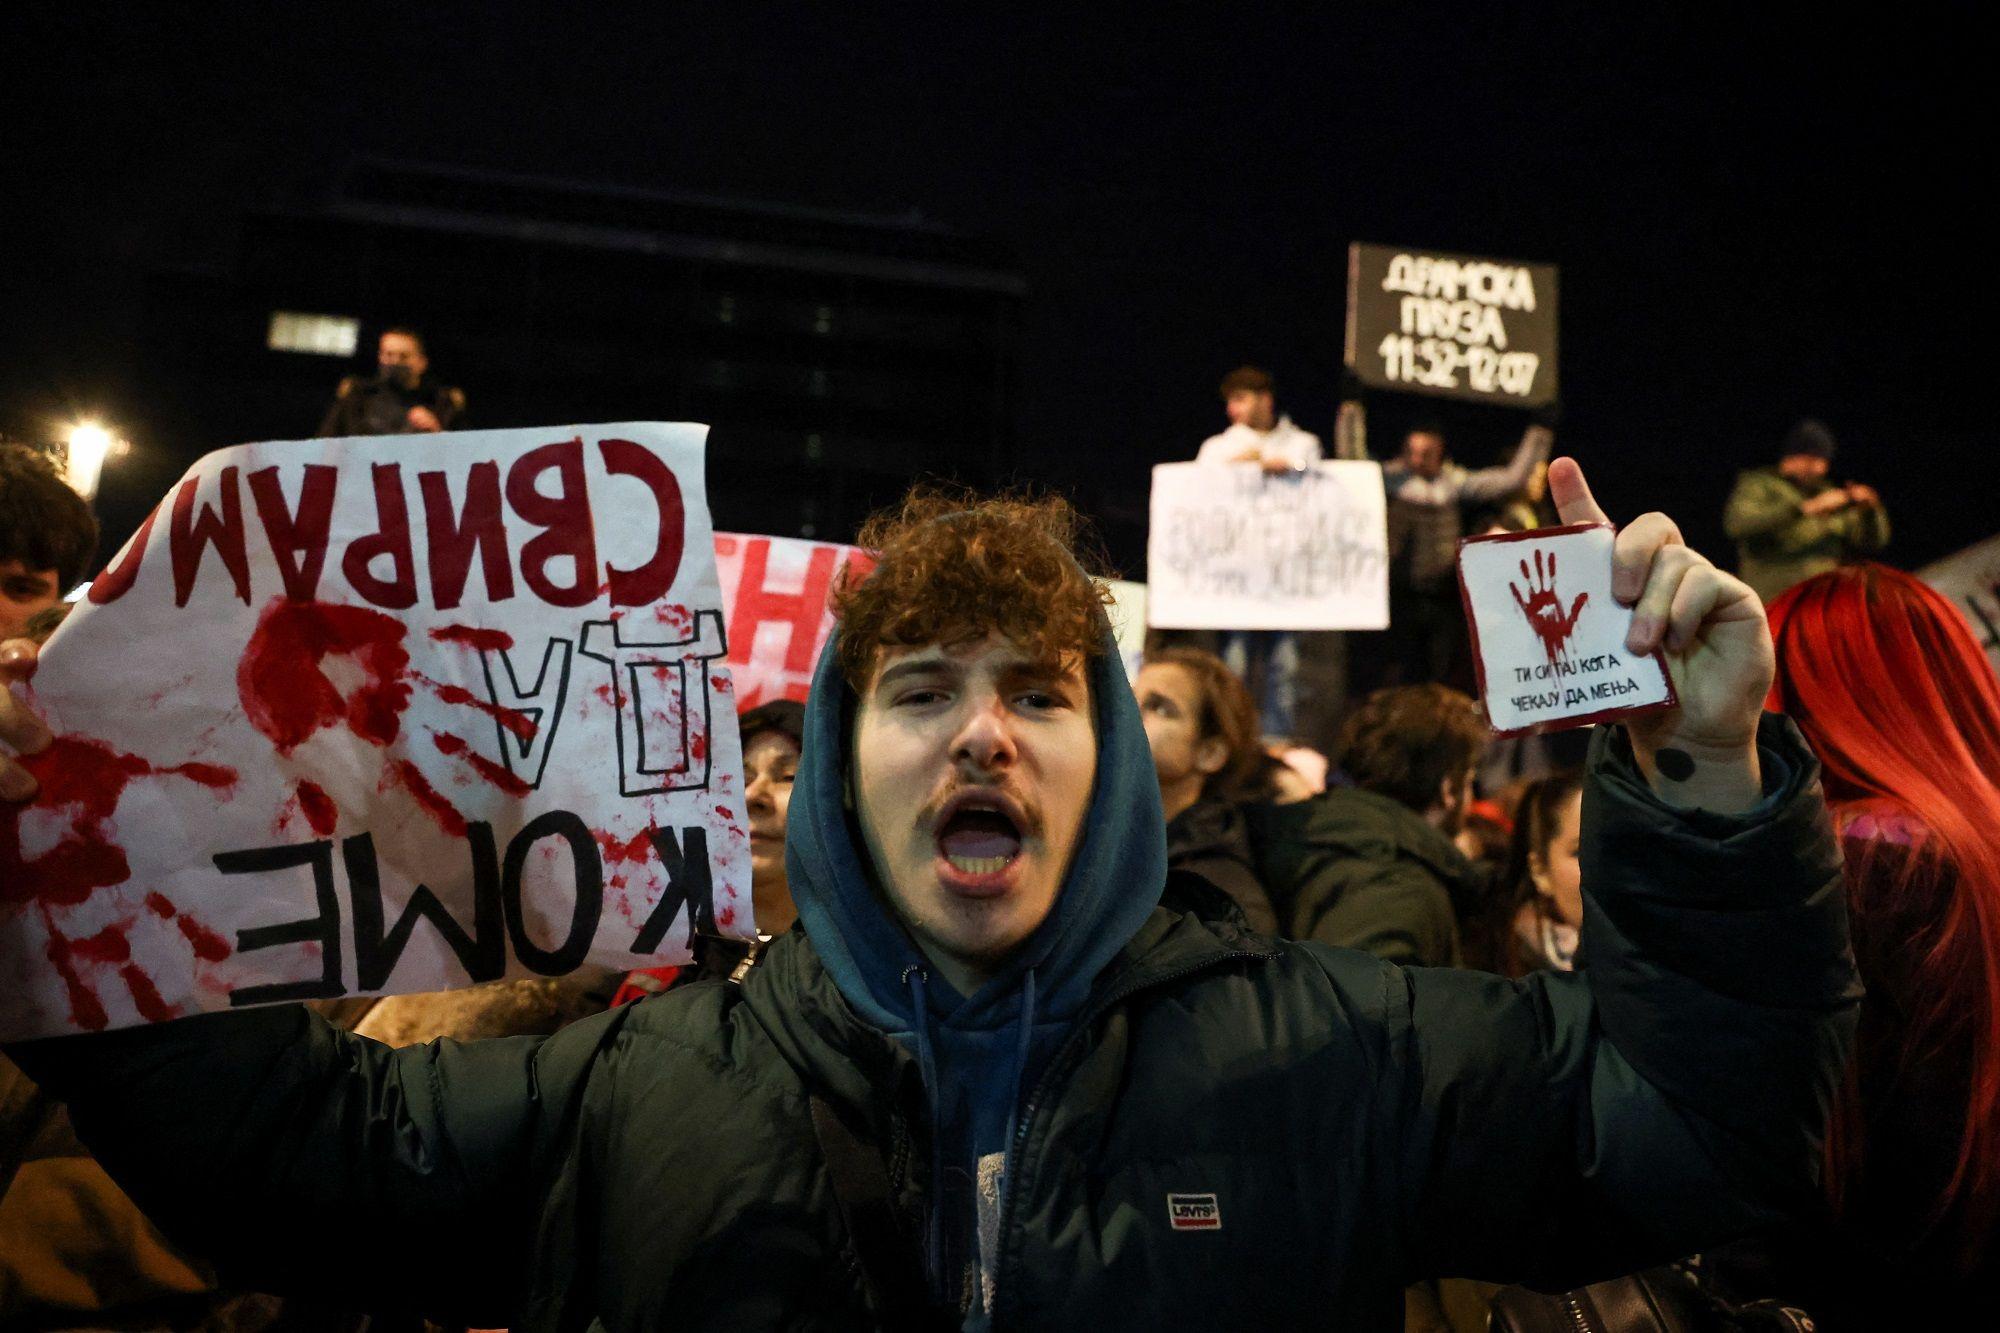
(89, 445)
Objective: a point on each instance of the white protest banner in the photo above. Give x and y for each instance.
(1972, 580)
(1234, 547)
(1127, 611)
(775, 590)
(368, 716)
(1548, 638)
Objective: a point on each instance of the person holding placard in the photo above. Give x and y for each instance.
(1429, 495)
(1267, 660)
(1790, 522)
(993, 1084)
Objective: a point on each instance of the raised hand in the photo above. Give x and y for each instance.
(1543, 607)
(20, 728)
(1716, 643)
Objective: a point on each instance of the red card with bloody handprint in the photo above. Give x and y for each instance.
(1547, 635)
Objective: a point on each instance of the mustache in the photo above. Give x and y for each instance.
(933, 809)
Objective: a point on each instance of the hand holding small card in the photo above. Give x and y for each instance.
(1548, 638)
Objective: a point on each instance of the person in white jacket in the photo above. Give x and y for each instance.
(1257, 434)
(1267, 660)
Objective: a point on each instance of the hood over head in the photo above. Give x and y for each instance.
(1112, 884)
(978, 1052)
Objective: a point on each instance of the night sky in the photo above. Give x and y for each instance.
(1757, 217)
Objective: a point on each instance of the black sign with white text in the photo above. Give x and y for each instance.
(1453, 325)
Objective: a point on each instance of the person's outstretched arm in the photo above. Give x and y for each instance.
(1491, 484)
(1673, 1091)
(302, 1159)
(306, 1160)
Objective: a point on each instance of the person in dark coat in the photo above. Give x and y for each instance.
(992, 1084)
(400, 398)
(1201, 726)
(1371, 865)
(770, 734)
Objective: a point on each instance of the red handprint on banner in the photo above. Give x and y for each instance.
(1543, 607)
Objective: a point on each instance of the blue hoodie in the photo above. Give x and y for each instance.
(979, 1053)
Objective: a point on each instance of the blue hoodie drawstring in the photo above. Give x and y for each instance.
(1022, 1041)
(913, 977)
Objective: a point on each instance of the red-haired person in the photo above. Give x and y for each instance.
(1883, 675)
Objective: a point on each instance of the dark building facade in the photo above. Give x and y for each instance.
(837, 356)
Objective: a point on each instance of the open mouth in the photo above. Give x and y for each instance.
(979, 839)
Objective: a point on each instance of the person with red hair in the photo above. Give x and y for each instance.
(1883, 675)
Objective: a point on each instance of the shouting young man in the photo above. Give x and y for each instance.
(993, 1084)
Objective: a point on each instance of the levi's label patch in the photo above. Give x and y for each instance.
(1194, 1212)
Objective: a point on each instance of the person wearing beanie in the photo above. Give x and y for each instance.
(1790, 522)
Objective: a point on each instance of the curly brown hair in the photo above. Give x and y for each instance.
(1406, 741)
(953, 567)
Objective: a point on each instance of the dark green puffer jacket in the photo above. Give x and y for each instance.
(1357, 1125)
(1360, 870)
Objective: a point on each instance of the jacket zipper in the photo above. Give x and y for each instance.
(1576, 1315)
(1117, 996)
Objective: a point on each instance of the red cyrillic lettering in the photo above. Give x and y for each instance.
(651, 581)
(298, 541)
(453, 537)
(190, 533)
(564, 519)
(803, 610)
(391, 537)
(117, 580)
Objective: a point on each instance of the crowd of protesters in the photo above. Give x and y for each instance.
(1434, 1024)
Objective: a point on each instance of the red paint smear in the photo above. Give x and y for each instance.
(87, 778)
(494, 773)
(472, 637)
(720, 682)
(106, 946)
(512, 719)
(208, 946)
(725, 812)
(726, 917)
(636, 848)
(85, 1009)
(145, 995)
(318, 808)
(604, 692)
(436, 806)
(288, 698)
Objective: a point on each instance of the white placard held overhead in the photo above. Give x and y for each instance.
(1234, 547)
(1548, 637)
(369, 716)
